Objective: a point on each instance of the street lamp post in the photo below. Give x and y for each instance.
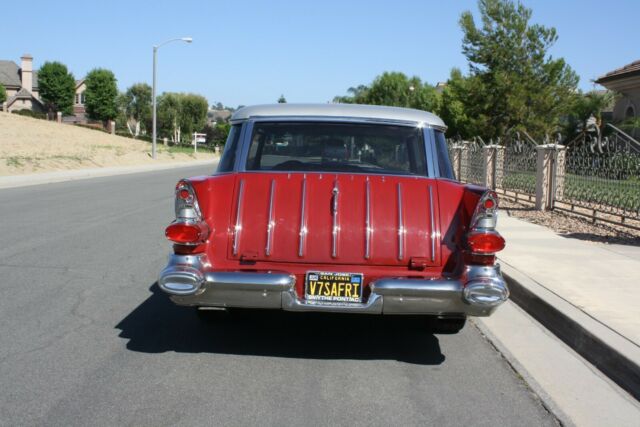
(153, 95)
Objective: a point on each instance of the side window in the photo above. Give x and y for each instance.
(444, 163)
(228, 159)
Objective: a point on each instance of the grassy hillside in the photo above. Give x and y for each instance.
(30, 145)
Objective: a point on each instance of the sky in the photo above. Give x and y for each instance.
(251, 52)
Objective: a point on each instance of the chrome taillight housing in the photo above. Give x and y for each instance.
(189, 228)
(482, 240)
(485, 216)
(186, 205)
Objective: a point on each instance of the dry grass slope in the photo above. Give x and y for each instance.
(30, 145)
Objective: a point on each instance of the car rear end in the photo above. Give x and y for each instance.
(360, 219)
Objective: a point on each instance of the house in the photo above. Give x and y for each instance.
(626, 82)
(21, 84)
(79, 111)
(217, 116)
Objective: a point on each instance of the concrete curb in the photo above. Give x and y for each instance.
(13, 181)
(546, 400)
(614, 355)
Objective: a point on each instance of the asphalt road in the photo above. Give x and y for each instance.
(87, 338)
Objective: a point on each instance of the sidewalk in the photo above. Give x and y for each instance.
(588, 294)
(75, 174)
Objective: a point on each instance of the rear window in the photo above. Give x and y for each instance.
(337, 147)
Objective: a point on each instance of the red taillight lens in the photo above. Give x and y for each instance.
(187, 233)
(184, 194)
(485, 242)
(489, 203)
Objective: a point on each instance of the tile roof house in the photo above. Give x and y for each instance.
(625, 81)
(21, 84)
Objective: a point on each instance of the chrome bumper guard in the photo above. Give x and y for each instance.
(478, 293)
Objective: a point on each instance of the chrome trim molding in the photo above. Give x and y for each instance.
(401, 230)
(271, 224)
(367, 220)
(335, 195)
(237, 229)
(303, 218)
(433, 227)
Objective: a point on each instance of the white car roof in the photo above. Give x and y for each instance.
(365, 112)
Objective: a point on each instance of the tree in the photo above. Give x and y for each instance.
(453, 103)
(395, 89)
(169, 115)
(181, 114)
(583, 107)
(217, 135)
(3, 94)
(517, 83)
(282, 100)
(122, 120)
(136, 103)
(57, 87)
(193, 112)
(357, 95)
(101, 94)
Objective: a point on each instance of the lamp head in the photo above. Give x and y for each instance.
(187, 39)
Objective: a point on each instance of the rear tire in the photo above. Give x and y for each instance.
(446, 325)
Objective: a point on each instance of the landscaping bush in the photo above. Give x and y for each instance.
(29, 113)
(94, 126)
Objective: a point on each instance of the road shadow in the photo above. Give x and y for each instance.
(158, 325)
(620, 239)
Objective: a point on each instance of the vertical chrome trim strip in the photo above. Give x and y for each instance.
(367, 232)
(271, 224)
(433, 229)
(238, 227)
(400, 225)
(303, 218)
(336, 226)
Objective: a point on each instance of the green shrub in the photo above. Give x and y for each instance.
(29, 113)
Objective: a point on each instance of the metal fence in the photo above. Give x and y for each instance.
(593, 175)
(600, 178)
(519, 169)
(473, 170)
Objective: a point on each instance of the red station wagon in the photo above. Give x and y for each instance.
(336, 208)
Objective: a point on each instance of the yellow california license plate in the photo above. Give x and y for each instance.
(333, 287)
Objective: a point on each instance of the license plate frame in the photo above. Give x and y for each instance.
(324, 287)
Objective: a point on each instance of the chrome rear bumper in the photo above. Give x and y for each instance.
(478, 293)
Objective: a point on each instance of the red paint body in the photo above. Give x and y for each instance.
(453, 206)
